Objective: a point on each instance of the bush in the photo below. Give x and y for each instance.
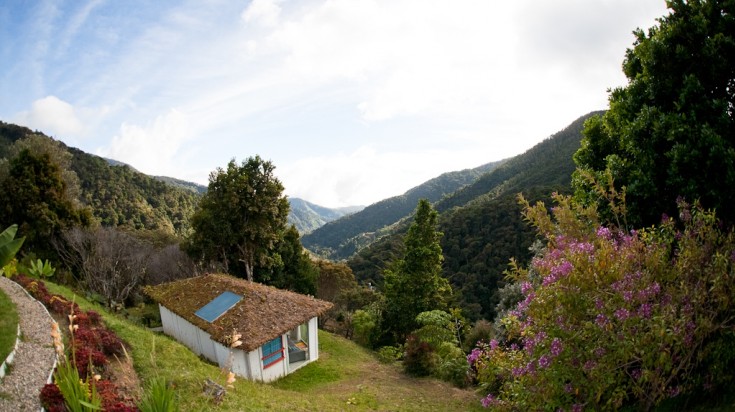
(452, 366)
(614, 317)
(389, 354)
(419, 358)
(482, 330)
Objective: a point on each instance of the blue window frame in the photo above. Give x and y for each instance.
(272, 352)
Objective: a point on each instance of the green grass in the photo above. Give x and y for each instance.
(346, 377)
(8, 326)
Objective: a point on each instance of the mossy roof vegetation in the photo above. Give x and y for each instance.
(263, 313)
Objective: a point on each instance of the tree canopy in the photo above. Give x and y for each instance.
(33, 194)
(670, 131)
(241, 218)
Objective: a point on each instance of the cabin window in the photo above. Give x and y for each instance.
(272, 352)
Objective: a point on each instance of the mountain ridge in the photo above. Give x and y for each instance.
(341, 238)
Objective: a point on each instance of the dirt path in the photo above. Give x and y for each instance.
(34, 359)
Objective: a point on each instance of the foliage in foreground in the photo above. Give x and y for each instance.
(669, 131)
(9, 245)
(344, 373)
(611, 317)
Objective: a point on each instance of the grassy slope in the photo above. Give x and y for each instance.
(8, 325)
(346, 377)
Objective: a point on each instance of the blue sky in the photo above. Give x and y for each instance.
(354, 101)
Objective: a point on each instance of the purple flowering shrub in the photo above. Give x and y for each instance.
(610, 317)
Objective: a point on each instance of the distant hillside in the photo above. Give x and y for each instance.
(342, 238)
(120, 195)
(307, 216)
(482, 223)
(183, 184)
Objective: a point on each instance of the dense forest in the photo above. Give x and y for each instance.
(118, 195)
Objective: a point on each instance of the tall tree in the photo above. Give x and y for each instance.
(671, 131)
(241, 218)
(294, 269)
(413, 284)
(33, 194)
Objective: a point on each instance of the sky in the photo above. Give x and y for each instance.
(353, 101)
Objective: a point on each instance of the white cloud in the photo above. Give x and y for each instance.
(154, 148)
(367, 175)
(52, 115)
(264, 12)
(405, 58)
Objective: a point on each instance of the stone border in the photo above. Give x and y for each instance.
(9, 359)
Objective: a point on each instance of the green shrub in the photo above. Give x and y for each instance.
(389, 354)
(9, 246)
(452, 366)
(39, 269)
(612, 317)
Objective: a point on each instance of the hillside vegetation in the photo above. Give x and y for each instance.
(482, 223)
(119, 195)
(342, 238)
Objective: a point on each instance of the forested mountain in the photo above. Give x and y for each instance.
(183, 184)
(307, 216)
(482, 223)
(342, 238)
(119, 195)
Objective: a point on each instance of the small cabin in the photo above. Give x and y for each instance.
(278, 328)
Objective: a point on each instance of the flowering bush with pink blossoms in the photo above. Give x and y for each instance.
(612, 317)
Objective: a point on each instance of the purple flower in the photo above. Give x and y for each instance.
(544, 362)
(493, 344)
(600, 352)
(523, 305)
(489, 400)
(622, 314)
(556, 347)
(601, 320)
(564, 268)
(582, 247)
(568, 388)
(590, 364)
(577, 407)
(514, 346)
(526, 287)
(645, 310)
(604, 233)
(474, 356)
(636, 374)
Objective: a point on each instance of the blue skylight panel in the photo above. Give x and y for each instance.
(218, 306)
